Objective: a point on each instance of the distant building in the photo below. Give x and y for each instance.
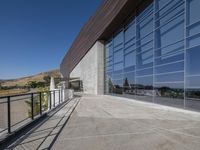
(142, 49)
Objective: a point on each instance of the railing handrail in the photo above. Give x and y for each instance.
(24, 94)
(52, 102)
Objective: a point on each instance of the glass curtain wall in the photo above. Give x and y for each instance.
(192, 55)
(155, 57)
(169, 52)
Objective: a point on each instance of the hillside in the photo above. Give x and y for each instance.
(23, 81)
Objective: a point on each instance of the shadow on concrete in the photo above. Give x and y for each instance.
(43, 134)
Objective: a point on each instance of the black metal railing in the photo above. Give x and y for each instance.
(17, 111)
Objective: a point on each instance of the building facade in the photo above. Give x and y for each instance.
(147, 50)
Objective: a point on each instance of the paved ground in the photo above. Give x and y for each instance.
(110, 123)
(44, 134)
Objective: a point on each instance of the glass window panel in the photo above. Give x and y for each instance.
(129, 79)
(109, 68)
(170, 77)
(109, 86)
(144, 88)
(129, 83)
(130, 44)
(117, 86)
(143, 15)
(170, 68)
(109, 59)
(193, 82)
(194, 29)
(147, 54)
(129, 69)
(175, 90)
(193, 11)
(171, 12)
(143, 61)
(117, 76)
(109, 62)
(118, 56)
(193, 99)
(163, 3)
(144, 82)
(130, 59)
(117, 82)
(170, 94)
(118, 66)
(109, 51)
(146, 26)
(193, 93)
(145, 47)
(144, 72)
(172, 32)
(146, 39)
(193, 61)
(130, 76)
(169, 49)
(194, 41)
(118, 47)
(173, 58)
(130, 48)
(129, 32)
(118, 71)
(118, 39)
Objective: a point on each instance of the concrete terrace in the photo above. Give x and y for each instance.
(113, 123)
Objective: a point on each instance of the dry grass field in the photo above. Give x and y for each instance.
(25, 80)
(12, 92)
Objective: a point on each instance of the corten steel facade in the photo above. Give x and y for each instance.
(152, 50)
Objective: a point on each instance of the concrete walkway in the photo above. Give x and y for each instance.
(111, 123)
(45, 133)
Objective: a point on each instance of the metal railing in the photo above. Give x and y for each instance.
(17, 111)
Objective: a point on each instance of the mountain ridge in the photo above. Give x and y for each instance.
(24, 80)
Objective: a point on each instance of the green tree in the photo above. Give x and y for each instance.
(32, 84)
(47, 80)
(40, 84)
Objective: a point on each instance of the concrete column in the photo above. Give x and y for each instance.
(90, 70)
(100, 67)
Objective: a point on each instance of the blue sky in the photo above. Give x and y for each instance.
(36, 34)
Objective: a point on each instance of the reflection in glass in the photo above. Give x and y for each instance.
(170, 94)
(144, 88)
(129, 83)
(117, 86)
(152, 58)
(172, 90)
(193, 61)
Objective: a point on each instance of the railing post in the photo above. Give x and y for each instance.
(59, 96)
(54, 99)
(40, 103)
(32, 107)
(9, 118)
(50, 100)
